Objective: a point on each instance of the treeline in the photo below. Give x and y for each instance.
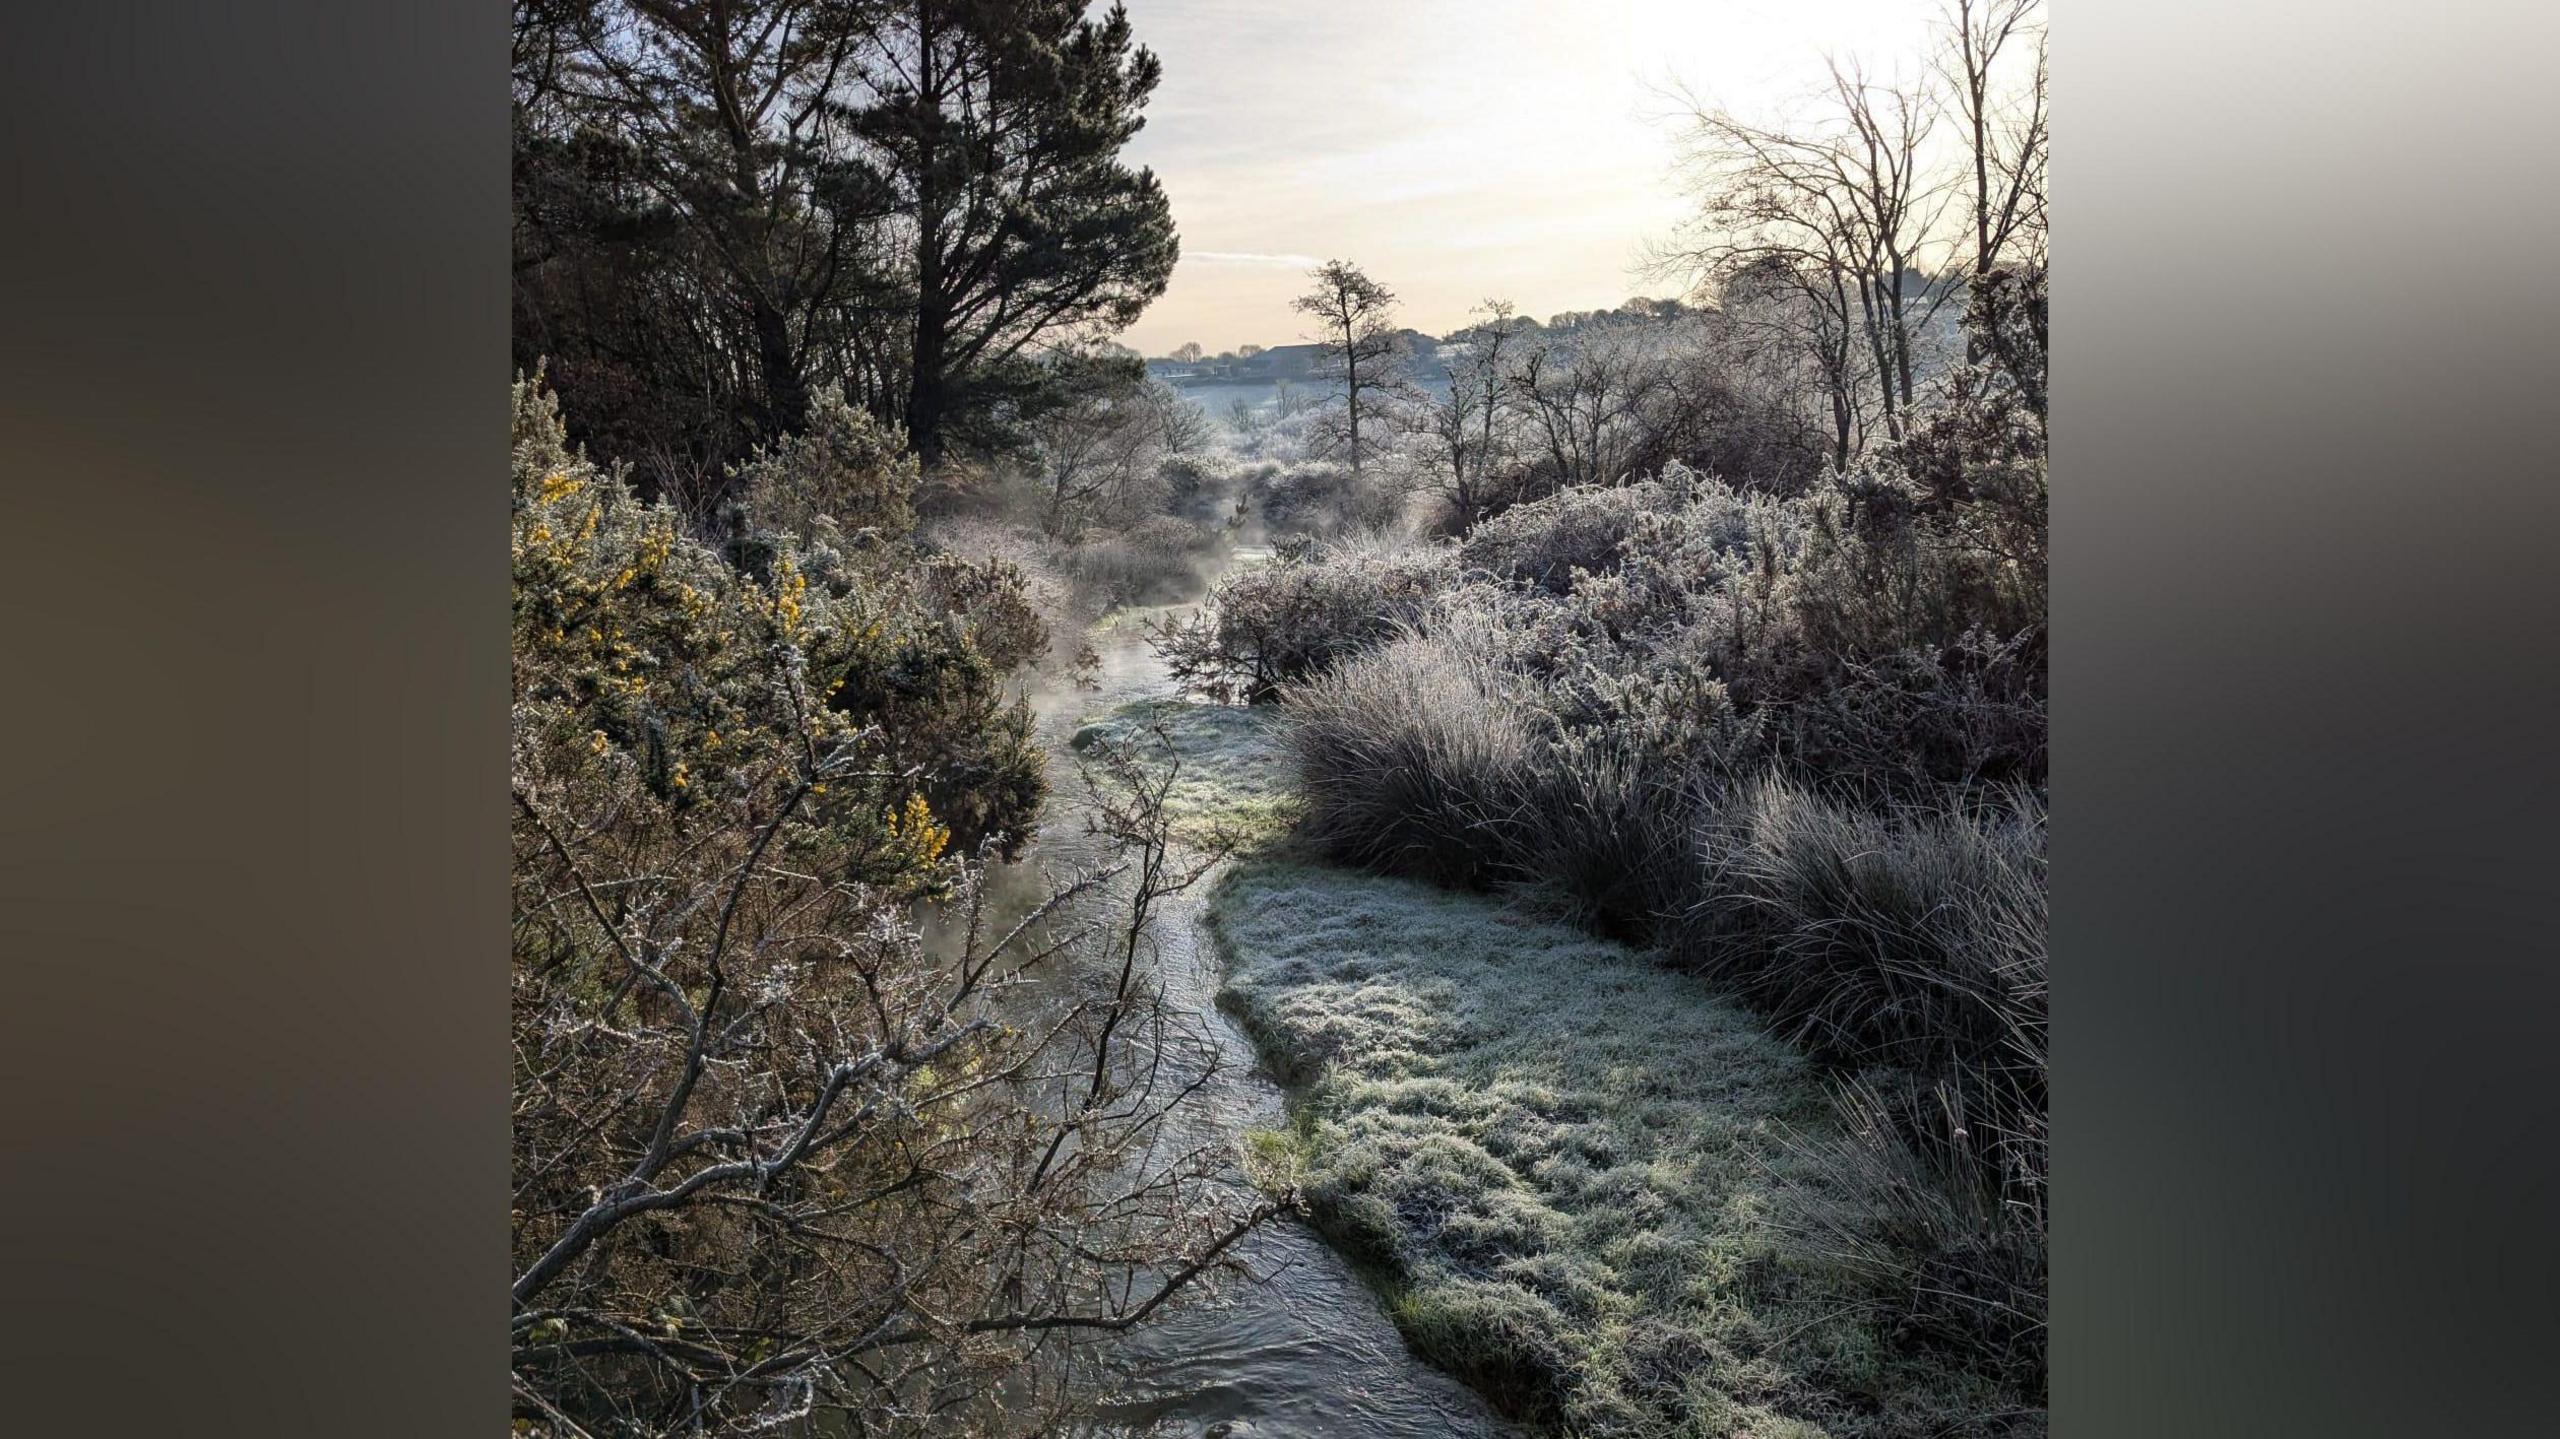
(1523, 411)
(722, 209)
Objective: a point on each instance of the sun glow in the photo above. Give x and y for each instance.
(1457, 149)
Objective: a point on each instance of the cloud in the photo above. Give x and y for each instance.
(1251, 260)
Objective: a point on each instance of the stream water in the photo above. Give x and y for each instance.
(1305, 1348)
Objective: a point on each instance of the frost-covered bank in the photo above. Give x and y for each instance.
(1579, 1176)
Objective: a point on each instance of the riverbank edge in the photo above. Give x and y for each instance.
(1482, 1347)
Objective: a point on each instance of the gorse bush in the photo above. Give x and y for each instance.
(847, 467)
(774, 1154)
(1549, 542)
(1037, 577)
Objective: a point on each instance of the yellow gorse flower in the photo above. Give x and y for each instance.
(915, 829)
(790, 595)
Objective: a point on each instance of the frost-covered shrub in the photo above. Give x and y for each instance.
(1318, 498)
(1046, 588)
(1601, 711)
(1914, 721)
(1158, 560)
(846, 466)
(992, 599)
(654, 641)
(1863, 638)
(1721, 423)
(1268, 624)
(1200, 487)
(1548, 542)
(762, 1126)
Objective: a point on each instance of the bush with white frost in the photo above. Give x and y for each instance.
(1293, 617)
(846, 466)
(1794, 743)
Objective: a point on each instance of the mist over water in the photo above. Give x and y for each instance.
(1298, 1345)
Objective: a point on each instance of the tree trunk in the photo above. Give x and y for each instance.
(786, 392)
(927, 388)
(1351, 389)
(925, 397)
(1871, 309)
(1901, 338)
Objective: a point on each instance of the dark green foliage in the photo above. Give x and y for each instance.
(722, 209)
(999, 134)
(942, 714)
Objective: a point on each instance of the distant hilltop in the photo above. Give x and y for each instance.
(1259, 365)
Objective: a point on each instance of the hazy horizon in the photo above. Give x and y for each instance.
(1455, 149)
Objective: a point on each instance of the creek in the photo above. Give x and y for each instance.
(1304, 1348)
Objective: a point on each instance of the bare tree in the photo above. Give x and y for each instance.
(1468, 435)
(1094, 450)
(1288, 399)
(1844, 212)
(1790, 316)
(1245, 419)
(1182, 426)
(1897, 206)
(1729, 404)
(1188, 352)
(1355, 318)
(2006, 134)
(1581, 395)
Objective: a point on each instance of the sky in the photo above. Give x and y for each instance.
(1457, 150)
